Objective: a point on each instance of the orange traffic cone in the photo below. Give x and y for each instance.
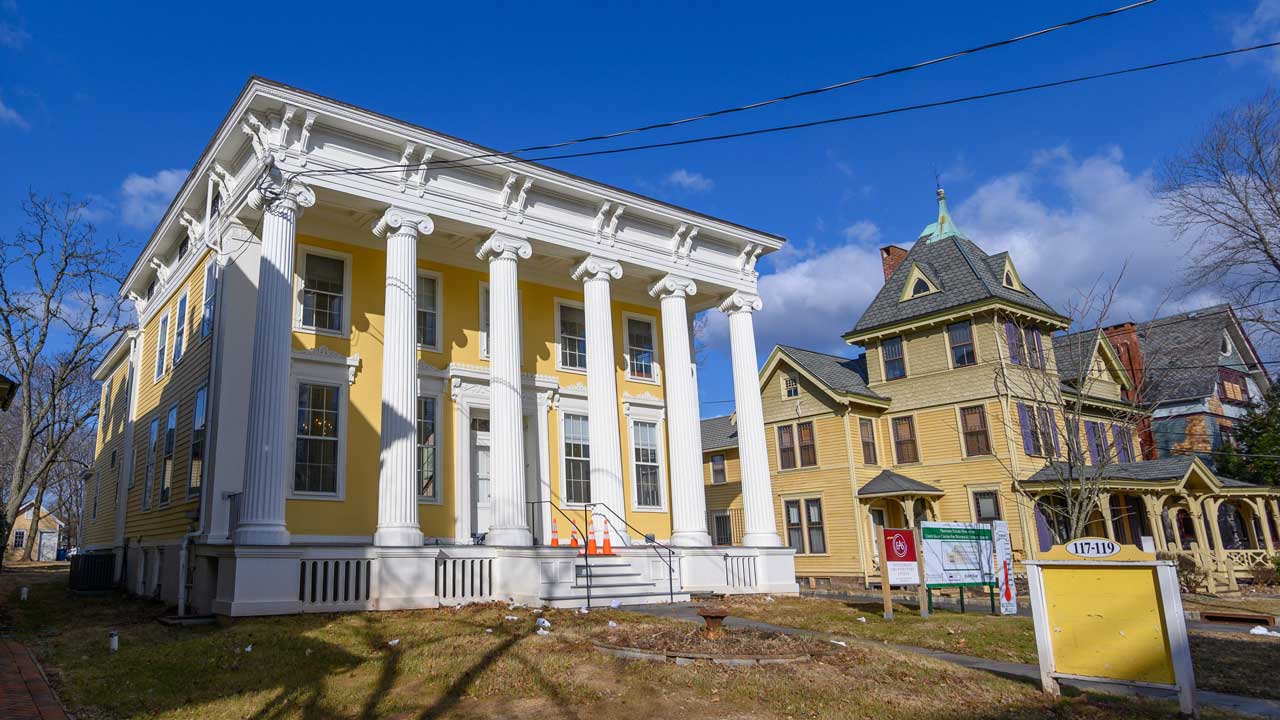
(573, 537)
(555, 534)
(607, 547)
(592, 547)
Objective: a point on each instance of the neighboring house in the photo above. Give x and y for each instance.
(46, 538)
(1202, 374)
(919, 427)
(8, 389)
(386, 390)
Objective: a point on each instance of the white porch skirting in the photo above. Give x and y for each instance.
(241, 580)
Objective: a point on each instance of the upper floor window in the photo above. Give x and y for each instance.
(573, 337)
(646, 469)
(921, 287)
(867, 430)
(973, 422)
(1039, 431)
(162, 341)
(149, 474)
(960, 336)
(195, 477)
(808, 452)
(210, 296)
(895, 366)
(1225, 347)
(315, 467)
(986, 506)
(1233, 386)
(1095, 434)
(428, 487)
(1008, 280)
(791, 385)
(577, 459)
(786, 447)
(1025, 345)
(640, 349)
(180, 330)
(718, 476)
(323, 292)
(904, 440)
(1123, 441)
(166, 464)
(428, 330)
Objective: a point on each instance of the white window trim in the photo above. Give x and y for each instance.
(724, 468)
(184, 305)
(431, 388)
(643, 410)
(187, 494)
(568, 405)
(561, 302)
(162, 351)
(209, 314)
(627, 317)
(438, 341)
(299, 268)
(322, 368)
(164, 428)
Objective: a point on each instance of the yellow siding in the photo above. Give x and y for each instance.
(99, 528)
(177, 387)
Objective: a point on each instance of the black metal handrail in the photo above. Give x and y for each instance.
(586, 559)
(651, 542)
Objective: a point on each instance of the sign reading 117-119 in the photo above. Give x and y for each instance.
(1092, 547)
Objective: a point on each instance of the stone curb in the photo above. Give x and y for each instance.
(686, 658)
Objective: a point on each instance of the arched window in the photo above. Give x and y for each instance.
(1225, 348)
(1008, 279)
(920, 288)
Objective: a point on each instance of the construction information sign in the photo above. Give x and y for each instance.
(900, 557)
(957, 554)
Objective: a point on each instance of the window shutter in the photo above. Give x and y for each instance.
(1039, 349)
(1120, 437)
(1053, 428)
(1091, 434)
(1026, 429)
(1011, 336)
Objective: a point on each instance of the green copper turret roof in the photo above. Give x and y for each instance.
(945, 227)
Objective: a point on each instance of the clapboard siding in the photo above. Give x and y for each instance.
(113, 414)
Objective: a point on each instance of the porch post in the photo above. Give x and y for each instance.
(510, 524)
(688, 498)
(1219, 552)
(757, 486)
(262, 503)
(398, 523)
(602, 386)
(1260, 509)
(1153, 506)
(1104, 506)
(1273, 509)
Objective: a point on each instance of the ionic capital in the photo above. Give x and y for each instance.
(398, 220)
(673, 285)
(597, 268)
(279, 196)
(507, 247)
(741, 302)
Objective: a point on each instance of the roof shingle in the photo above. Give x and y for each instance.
(840, 374)
(719, 433)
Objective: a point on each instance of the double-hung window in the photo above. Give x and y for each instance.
(786, 447)
(577, 459)
(210, 296)
(973, 422)
(315, 466)
(718, 476)
(904, 440)
(196, 475)
(867, 431)
(1039, 430)
(791, 385)
(640, 349)
(573, 337)
(960, 335)
(149, 475)
(180, 329)
(648, 491)
(166, 466)
(162, 342)
(808, 453)
(428, 487)
(895, 366)
(428, 312)
(19, 539)
(804, 523)
(1124, 443)
(1095, 434)
(986, 506)
(796, 446)
(323, 292)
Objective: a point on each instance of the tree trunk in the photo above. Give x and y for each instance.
(33, 535)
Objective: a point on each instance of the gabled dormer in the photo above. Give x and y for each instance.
(1009, 275)
(918, 284)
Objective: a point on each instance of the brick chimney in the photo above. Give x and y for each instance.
(1124, 338)
(891, 256)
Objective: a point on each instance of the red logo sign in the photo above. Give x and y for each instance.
(900, 545)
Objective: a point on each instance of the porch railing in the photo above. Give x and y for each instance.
(740, 571)
(1247, 559)
(335, 584)
(464, 579)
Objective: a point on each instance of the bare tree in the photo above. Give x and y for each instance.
(1222, 194)
(1050, 386)
(59, 311)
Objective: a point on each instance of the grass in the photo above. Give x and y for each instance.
(1232, 663)
(447, 665)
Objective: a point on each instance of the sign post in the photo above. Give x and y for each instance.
(1109, 612)
(922, 591)
(900, 563)
(884, 575)
(1004, 568)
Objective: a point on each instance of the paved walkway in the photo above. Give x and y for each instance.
(24, 694)
(1016, 671)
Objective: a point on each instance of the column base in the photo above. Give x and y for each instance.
(261, 534)
(691, 538)
(508, 537)
(398, 537)
(763, 539)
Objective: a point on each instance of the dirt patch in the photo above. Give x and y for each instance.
(732, 642)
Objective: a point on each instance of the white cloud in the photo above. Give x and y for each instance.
(1260, 26)
(9, 116)
(863, 231)
(690, 181)
(144, 198)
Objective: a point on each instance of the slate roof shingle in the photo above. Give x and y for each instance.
(1172, 345)
(840, 374)
(1170, 468)
(719, 433)
(889, 482)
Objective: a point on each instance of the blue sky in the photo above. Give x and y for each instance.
(116, 101)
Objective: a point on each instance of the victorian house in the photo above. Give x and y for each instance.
(966, 400)
(380, 367)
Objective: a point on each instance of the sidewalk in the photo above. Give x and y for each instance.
(24, 694)
(1016, 671)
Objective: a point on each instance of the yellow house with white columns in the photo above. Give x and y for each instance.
(387, 388)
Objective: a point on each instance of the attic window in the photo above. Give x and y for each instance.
(918, 284)
(791, 386)
(920, 287)
(1225, 348)
(1008, 279)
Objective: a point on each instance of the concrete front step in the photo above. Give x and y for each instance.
(602, 598)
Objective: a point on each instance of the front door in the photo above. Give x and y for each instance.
(482, 500)
(47, 550)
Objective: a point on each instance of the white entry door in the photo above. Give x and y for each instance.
(47, 550)
(482, 499)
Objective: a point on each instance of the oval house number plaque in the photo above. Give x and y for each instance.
(1090, 547)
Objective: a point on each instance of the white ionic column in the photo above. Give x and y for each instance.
(398, 464)
(602, 386)
(270, 411)
(688, 498)
(757, 487)
(510, 524)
